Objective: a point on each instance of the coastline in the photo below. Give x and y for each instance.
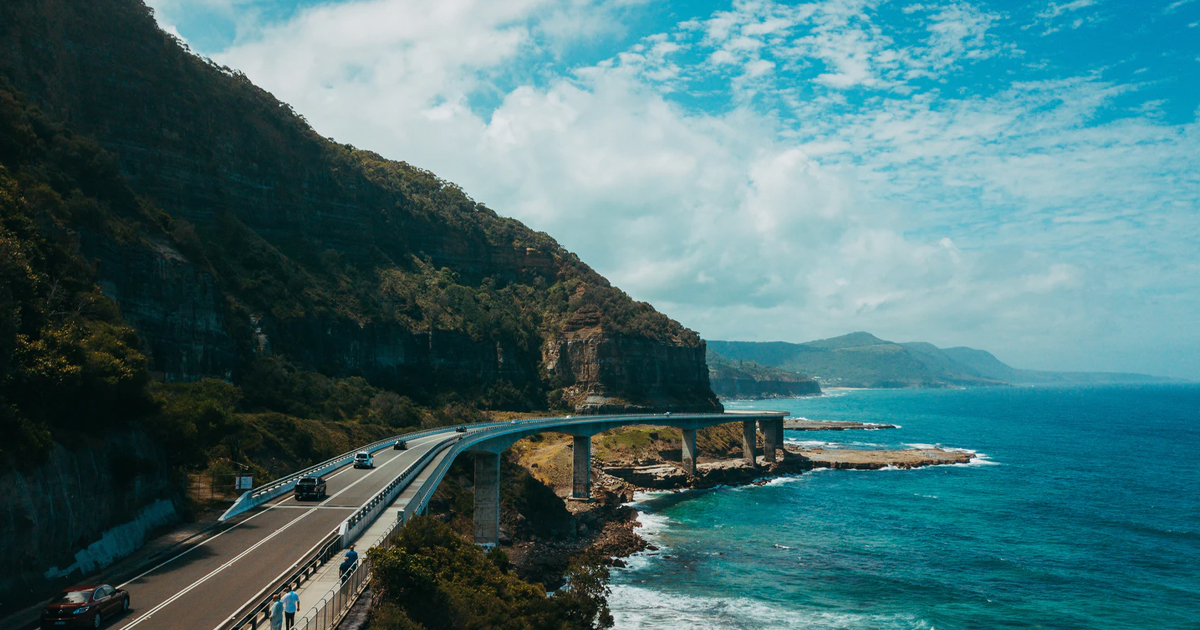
(610, 524)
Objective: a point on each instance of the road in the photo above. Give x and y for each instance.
(202, 586)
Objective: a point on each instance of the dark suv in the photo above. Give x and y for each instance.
(310, 488)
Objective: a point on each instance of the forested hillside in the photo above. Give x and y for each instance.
(863, 360)
(240, 244)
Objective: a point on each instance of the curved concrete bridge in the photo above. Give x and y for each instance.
(486, 442)
(223, 578)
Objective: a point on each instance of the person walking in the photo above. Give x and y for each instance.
(276, 612)
(345, 568)
(291, 603)
(352, 555)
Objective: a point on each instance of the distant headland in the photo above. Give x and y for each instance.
(863, 360)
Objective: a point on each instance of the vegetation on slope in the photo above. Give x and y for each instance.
(433, 579)
(858, 360)
(864, 360)
(731, 378)
(335, 258)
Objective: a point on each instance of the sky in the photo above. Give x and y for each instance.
(1021, 177)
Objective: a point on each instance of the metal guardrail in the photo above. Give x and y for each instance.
(337, 601)
(365, 515)
(306, 570)
(261, 494)
(347, 531)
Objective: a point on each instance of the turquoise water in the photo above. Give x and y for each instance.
(1083, 512)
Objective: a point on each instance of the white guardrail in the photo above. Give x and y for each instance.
(260, 495)
(336, 603)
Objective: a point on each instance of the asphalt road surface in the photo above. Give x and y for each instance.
(202, 586)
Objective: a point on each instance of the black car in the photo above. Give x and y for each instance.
(461, 429)
(85, 606)
(400, 445)
(310, 488)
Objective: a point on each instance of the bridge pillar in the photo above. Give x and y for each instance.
(749, 442)
(769, 438)
(487, 499)
(778, 422)
(689, 452)
(581, 470)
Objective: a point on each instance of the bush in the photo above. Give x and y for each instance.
(434, 579)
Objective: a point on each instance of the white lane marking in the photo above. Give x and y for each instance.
(208, 540)
(255, 546)
(315, 507)
(259, 595)
(191, 549)
(214, 572)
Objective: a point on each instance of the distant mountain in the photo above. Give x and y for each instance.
(747, 379)
(863, 360)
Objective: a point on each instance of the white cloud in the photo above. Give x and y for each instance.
(986, 219)
(1049, 16)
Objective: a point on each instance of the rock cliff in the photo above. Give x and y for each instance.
(749, 380)
(253, 234)
(54, 518)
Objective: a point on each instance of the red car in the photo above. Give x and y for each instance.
(85, 606)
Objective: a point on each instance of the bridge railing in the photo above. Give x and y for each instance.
(337, 601)
(268, 491)
(369, 511)
(305, 569)
(334, 605)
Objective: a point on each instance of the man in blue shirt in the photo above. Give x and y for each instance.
(351, 555)
(291, 603)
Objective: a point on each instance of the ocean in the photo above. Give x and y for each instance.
(1081, 511)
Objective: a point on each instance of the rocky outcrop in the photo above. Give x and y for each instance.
(177, 309)
(753, 389)
(286, 237)
(616, 374)
(742, 380)
(79, 511)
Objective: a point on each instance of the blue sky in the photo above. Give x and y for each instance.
(1019, 177)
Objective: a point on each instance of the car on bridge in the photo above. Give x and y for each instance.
(400, 445)
(85, 606)
(363, 459)
(310, 488)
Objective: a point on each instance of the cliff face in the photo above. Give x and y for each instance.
(747, 379)
(749, 388)
(255, 235)
(54, 517)
(614, 374)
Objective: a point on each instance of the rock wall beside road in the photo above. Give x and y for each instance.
(55, 517)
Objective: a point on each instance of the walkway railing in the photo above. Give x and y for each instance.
(261, 494)
(334, 604)
(308, 568)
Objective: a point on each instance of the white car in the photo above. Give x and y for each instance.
(363, 459)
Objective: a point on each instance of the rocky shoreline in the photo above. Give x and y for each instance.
(607, 524)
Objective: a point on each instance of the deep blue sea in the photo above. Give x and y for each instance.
(1083, 511)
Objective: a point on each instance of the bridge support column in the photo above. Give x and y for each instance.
(581, 470)
(487, 499)
(689, 452)
(749, 442)
(778, 422)
(769, 438)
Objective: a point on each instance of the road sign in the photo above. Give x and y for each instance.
(244, 483)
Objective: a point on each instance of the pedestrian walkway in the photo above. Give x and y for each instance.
(313, 592)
